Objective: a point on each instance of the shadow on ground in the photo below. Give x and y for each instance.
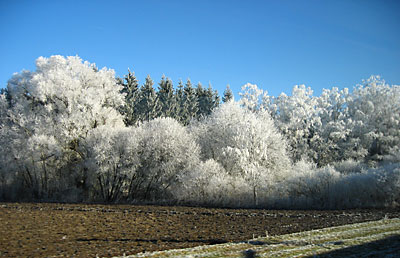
(387, 247)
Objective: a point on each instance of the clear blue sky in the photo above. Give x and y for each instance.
(274, 44)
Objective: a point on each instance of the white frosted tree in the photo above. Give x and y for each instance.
(374, 117)
(166, 150)
(49, 112)
(296, 116)
(254, 98)
(112, 160)
(246, 144)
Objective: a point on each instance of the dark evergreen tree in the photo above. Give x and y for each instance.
(166, 98)
(131, 90)
(190, 103)
(148, 107)
(228, 95)
(180, 102)
(201, 100)
(213, 98)
(207, 100)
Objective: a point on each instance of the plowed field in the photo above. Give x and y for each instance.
(55, 230)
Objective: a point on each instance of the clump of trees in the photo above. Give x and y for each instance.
(362, 125)
(72, 132)
(183, 104)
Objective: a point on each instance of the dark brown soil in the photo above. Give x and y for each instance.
(44, 230)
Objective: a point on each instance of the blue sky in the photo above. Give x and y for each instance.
(274, 44)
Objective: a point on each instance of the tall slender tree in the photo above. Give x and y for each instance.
(190, 104)
(148, 103)
(201, 95)
(212, 99)
(166, 98)
(131, 90)
(180, 102)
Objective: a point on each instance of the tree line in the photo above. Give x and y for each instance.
(72, 132)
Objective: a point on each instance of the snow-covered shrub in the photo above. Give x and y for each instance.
(355, 186)
(209, 184)
(165, 151)
(246, 144)
(350, 166)
(393, 156)
(312, 187)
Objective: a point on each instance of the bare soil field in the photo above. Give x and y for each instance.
(80, 230)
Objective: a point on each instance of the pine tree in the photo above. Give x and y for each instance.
(207, 100)
(228, 95)
(212, 100)
(201, 100)
(180, 102)
(148, 103)
(166, 98)
(131, 90)
(217, 99)
(190, 104)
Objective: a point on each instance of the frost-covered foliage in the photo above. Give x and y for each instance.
(329, 188)
(374, 117)
(111, 162)
(166, 151)
(246, 144)
(139, 163)
(62, 137)
(46, 116)
(209, 184)
(338, 125)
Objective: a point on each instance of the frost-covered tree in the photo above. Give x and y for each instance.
(331, 142)
(112, 160)
(253, 98)
(296, 116)
(246, 144)
(374, 117)
(336, 126)
(166, 151)
(48, 114)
